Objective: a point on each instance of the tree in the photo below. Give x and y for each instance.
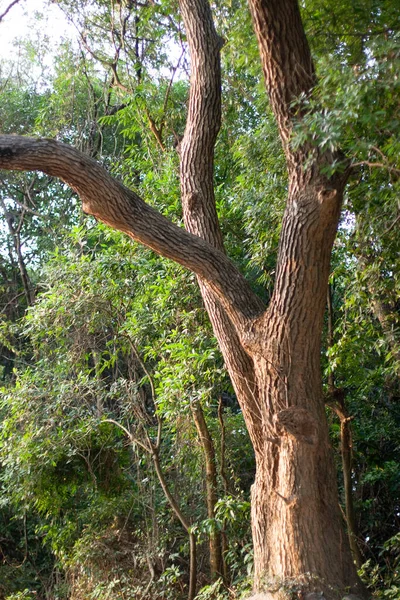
(272, 353)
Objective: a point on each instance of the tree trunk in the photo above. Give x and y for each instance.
(15, 233)
(215, 543)
(185, 523)
(297, 530)
(337, 403)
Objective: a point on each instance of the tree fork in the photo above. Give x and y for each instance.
(111, 202)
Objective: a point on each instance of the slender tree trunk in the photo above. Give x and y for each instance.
(215, 544)
(338, 404)
(346, 446)
(383, 307)
(222, 450)
(185, 523)
(15, 232)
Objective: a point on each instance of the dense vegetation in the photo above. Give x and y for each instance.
(122, 444)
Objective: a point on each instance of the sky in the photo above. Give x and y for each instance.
(20, 22)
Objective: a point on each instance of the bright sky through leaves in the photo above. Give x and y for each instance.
(28, 17)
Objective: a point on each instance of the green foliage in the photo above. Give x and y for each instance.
(75, 472)
(384, 580)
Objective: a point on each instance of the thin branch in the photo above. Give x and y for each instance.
(397, 219)
(140, 361)
(8, 9)
(222, 445)
(167, 94)
(131, 437)
(153, 393)
(379, 165)
(25, 207)
(155, 130)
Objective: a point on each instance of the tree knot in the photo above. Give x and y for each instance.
(326, 194)
(298, 423)
(6, 152)
(192, 201)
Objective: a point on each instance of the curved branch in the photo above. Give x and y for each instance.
(9, 7)
(115, 205)
(130, 436)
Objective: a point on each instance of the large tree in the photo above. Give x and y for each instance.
(272, 352)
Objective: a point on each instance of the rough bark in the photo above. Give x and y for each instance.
(297, 527)
(295, 480)
(197, 191)
(114, 204)
(285, 59)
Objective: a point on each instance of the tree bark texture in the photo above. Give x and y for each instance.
(299, 533)
(197, 190)
(273, 354)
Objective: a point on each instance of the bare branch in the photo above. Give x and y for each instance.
(378, 165)
(131, 437)
(8, 9)
(174, 70)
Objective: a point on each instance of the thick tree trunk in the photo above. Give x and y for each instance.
(298, 534)
(297, 529)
